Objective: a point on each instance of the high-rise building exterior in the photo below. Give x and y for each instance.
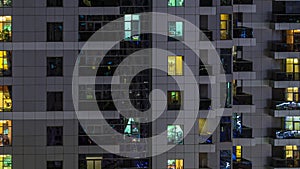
(41, 41)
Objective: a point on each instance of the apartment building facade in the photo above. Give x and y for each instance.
(43, 40)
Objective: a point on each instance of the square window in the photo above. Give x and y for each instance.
(54, 3)
(6, 161)
(175, 65)
(175, 134)
(176, 3)
(175, 31)
(174, 100)
(54, 164)
(5, 3)
(54, 101)
(54, 31)
(54, 136)
(54, 66)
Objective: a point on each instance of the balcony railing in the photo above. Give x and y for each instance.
(242, 163)
(285, 105)
(242, 99)
(278, 163)
(208, 34)
(283, 47)
(242, 66)
(245, 132)
(284, 76)
(242, 32)
(242, 2)
(286, 18)
(206, 3)
(204, 139)
(205, 104)
(287, 134)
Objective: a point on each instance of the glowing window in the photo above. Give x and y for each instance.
(292, 123)
(175, 134)
(225, 26)
(292, 65)
(5, 63)
(175, 2)
(5, 162)
(5, 3)
(289, 151)
(292, 94)
(174, 100)
(5, 98)
(175, 65)
(5, 28)
(5, 132)
(132, 129)
(175, 164)
(132, 27)
(175, 30)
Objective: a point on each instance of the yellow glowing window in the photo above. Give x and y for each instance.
(292, 94)
(292, 65)
(175, 65)
(202, 126)
(225, 26)
(238, 152)
(5, 28)
(289, 151)
(5, 99)
(3, 60)
(175, 164)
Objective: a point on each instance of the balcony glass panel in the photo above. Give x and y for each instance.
(242, 66)
(243, 2)
(286, 18)
(242, 32)
(284, 47)
(284, 76)
(278, 162)
(242, 99)
(285, 105)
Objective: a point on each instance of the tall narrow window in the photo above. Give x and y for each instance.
(54, 32)
(5, 63)
(54, 3)
(225, 129)
(175, 164)
(174, 100)
(5, 98)
(5, 28)
(5, 133)
(225, 26)
(175, 134)
(54, 136)
(205, 135)
(175, 65)
(132, 27)
(175, 31)
(225, 159)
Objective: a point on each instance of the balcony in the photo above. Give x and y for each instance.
(242, 99)
(245, 6)
(285, 21)
(284, 108)
(243, 137)
(285, 137)
(243, 36)
(284, 163)
(242, 163)
(282, 50)
(207, 8)
(242, 102)
(242, 69)
(285, 80)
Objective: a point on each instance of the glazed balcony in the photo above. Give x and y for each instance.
(245, 6)
(242, 163)
(205, 104)
(284, 163)
(243, 36)
(242, 99)
(242, 69)
(208, 35)
(286, 21)
(283, 137)
(282, 50)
